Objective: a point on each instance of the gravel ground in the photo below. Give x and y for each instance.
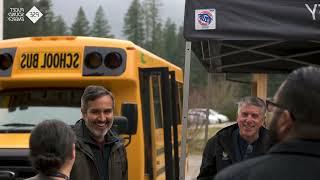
(194, 162)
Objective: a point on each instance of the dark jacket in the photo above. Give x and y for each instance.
(292, 160)
(40, 177)
(86, 165)
(220, 151)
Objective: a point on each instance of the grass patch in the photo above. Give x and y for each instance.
(196, 141)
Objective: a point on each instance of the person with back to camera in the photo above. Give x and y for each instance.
(295, 129)
(100, 154)
(243, 140)
(52, 150)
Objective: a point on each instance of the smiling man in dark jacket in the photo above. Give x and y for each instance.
(100, 155)
(237, 142)
(295, 127)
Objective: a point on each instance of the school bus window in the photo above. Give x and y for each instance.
(23, 105)
(157, 101)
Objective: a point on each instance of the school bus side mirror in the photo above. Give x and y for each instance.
(127, 122)
(120, 125)
(130, 111)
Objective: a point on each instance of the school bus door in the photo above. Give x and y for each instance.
(157, 108)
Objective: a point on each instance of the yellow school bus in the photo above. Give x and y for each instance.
(44, 77)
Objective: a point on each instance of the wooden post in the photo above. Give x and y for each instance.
(260, 89)
(261, 83)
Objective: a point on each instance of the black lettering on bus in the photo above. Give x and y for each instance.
(63, 58)
(29, 60)
(23, 59)
(70, 57)
(44, 60)
(35, 60)
(49, 61)
(75, 62)
(56, 60)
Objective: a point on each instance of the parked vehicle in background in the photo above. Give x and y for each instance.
(199, 115)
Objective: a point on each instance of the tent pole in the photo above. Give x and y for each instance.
(208, 110)
(185, 110)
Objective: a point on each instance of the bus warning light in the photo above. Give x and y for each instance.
(5, 61)
(113, 60)
(93, 60)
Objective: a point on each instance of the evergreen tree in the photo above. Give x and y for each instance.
(157, 41)
(133, 27)
(60, 27)
(181, 44)
(170, 41)
(152, 20)
(45, 25)
(80, 27)
(100, 27)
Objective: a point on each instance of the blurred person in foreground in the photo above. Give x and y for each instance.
(100, 154)
(295, 128)
(52, 150)
(243, 140)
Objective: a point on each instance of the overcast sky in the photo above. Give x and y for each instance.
(114, 10)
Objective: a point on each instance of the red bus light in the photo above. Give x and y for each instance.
(93, 60)
(5, 61)
(113, 60)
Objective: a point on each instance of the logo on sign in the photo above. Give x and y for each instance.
(205, 19)
(15, 15)
(34, 14)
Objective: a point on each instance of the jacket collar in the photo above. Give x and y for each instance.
(298, 146)
(228, 144)
(41, 176)
(226, 140)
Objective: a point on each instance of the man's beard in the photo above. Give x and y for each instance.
(273, 130)
(97, 133)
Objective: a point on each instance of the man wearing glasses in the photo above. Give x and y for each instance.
(243, 140)
(295, 127)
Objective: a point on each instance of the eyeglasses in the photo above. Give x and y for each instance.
(272, 105)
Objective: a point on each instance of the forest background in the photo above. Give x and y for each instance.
(144, 26)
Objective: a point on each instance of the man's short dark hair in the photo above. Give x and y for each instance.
(300, 94)
(51, 144)
(93, 92)
(254, 101)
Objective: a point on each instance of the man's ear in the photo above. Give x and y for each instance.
(285, 124)
(83, 113)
